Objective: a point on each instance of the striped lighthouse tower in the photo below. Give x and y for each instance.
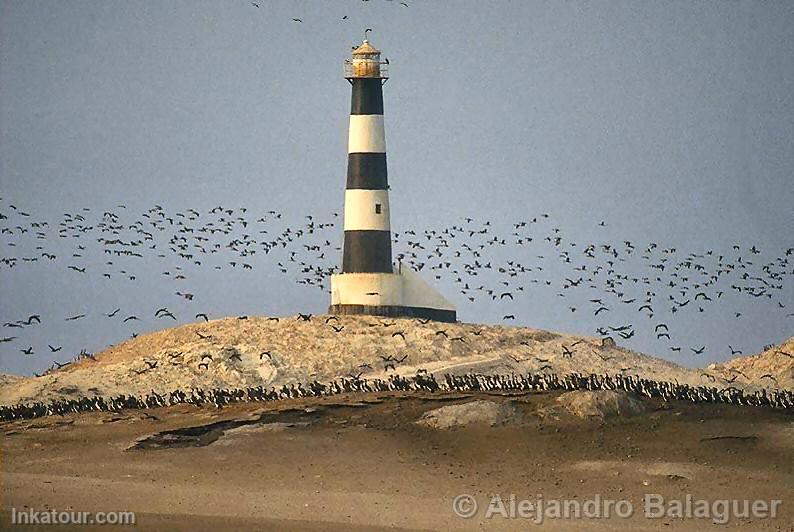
(367, 245)
(369, 283)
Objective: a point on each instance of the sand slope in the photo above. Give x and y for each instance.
(269, 351)
(361, 462)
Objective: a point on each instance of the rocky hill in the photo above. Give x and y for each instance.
(772, 368)
(236, 352)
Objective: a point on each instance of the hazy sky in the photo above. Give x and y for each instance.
(673, 122)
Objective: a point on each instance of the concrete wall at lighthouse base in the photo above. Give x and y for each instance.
(395, 311)
(401, 293)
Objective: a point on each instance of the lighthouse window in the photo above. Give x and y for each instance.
(377, 208)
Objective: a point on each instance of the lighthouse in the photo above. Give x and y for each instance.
(370, 283)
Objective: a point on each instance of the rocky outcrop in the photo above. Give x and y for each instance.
(475, 412)
(601, 404)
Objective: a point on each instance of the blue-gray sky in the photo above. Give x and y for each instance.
(673, 122)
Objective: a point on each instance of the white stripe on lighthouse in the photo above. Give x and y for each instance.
(367, 134)
(361, 210)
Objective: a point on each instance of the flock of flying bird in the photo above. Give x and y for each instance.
(503, 266)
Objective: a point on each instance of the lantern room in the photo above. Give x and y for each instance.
(366, 63)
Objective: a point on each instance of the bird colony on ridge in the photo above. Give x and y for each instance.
(471, 382)
(622, 285)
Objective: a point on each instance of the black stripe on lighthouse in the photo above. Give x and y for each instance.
(367, 252)
(367, 170)
(367, 97)
(367, 244)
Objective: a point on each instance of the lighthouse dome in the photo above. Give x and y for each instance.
(366, 49)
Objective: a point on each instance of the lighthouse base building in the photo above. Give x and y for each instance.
(369, 282)
(401, 293)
